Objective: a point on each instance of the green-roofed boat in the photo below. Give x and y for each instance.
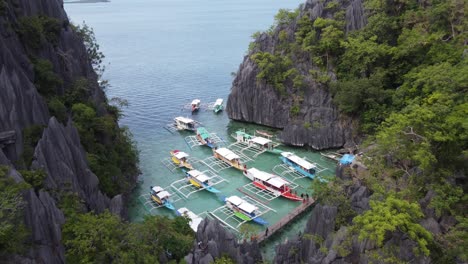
(205, 138)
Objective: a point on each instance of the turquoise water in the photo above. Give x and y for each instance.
(162, 54)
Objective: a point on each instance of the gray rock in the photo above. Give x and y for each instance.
(217, 242)
(60, 154)
(252, 100)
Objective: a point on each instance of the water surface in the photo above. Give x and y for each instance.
(160, 55)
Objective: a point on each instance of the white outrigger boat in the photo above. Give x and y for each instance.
(161, 197)
(229, 157)
(218, 105)
(180, 159)
(275, 184)
(194, 220)
(182, 123)
(200, 180)
(299, 164)
(195, 105)
(244, 210)
(261, 143)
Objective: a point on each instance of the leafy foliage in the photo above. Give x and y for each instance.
(34, 177)
(35, 31)
(31, 136)
(391, 215)
(46, 80)
(105, 238)
(92, 47)
(274, 69)
(12, 230)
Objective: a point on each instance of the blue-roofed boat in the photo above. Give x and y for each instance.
(300, 165)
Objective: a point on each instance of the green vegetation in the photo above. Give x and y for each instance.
(404, 77)
(12, 230)
(38, 30)
(92, 47)
(224, 260)
(104, 238)
(31, 136)
(58, 109)
(34, 177)
(46, 80)
(390, 215)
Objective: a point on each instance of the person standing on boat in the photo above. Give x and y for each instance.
(266, 232)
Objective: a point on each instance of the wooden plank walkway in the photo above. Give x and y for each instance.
(285, 220)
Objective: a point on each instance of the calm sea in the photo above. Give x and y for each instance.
(160, 55)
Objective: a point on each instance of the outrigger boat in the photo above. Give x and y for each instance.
(161, 197)
(195, 105)
(259, 142)
(195, 220)
(331, 155)
(244, 210)
(180, 158)
(229, 157)
(299, 164)
(204, 137)
(200, 180)
(184, 123)
(272, 183)
(218, 105)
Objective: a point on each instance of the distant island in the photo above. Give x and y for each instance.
(83, 1)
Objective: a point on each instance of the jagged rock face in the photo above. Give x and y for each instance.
(44, 221)
(255, 101)
(61, 155)
(217, 241)
(20, 104)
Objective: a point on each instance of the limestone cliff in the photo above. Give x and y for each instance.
(318, 124)
(217, 242)
(59, 152)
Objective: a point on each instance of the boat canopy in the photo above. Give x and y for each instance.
(261, 140)
(347, 159)
(163, 194)
(277, 182)
(202, 178)
(246, 207)
(196, 102)
(157, 189)
(180, 155)
(203, 133)
(235, 200)
(194, 173)
(184, 120)
(299, 161)
(219, 101)
(258, 174)
(227, 153)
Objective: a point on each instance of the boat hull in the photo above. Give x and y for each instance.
(158, 201)
(236, 165)
(198, 184)
(242, 216)
(181, 163)
(260, 221)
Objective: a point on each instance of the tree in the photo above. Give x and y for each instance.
(393, 215)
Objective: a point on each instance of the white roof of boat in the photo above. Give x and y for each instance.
(196, 101)
(194, 173)
(219, 101)
(249, 208)
(157, 189)
(299, 161)
(261, 140)
(277, 182)
(181, 154)
(235, 200)
(184, 119)
(227, 153)
(202, 177)
(163, 194)
(261, 175)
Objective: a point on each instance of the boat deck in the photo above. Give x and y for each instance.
(170, 165)
(187, 189)
(192, 141)
(285, 220)
(228, 218)
(150, 205)
(256, 193)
